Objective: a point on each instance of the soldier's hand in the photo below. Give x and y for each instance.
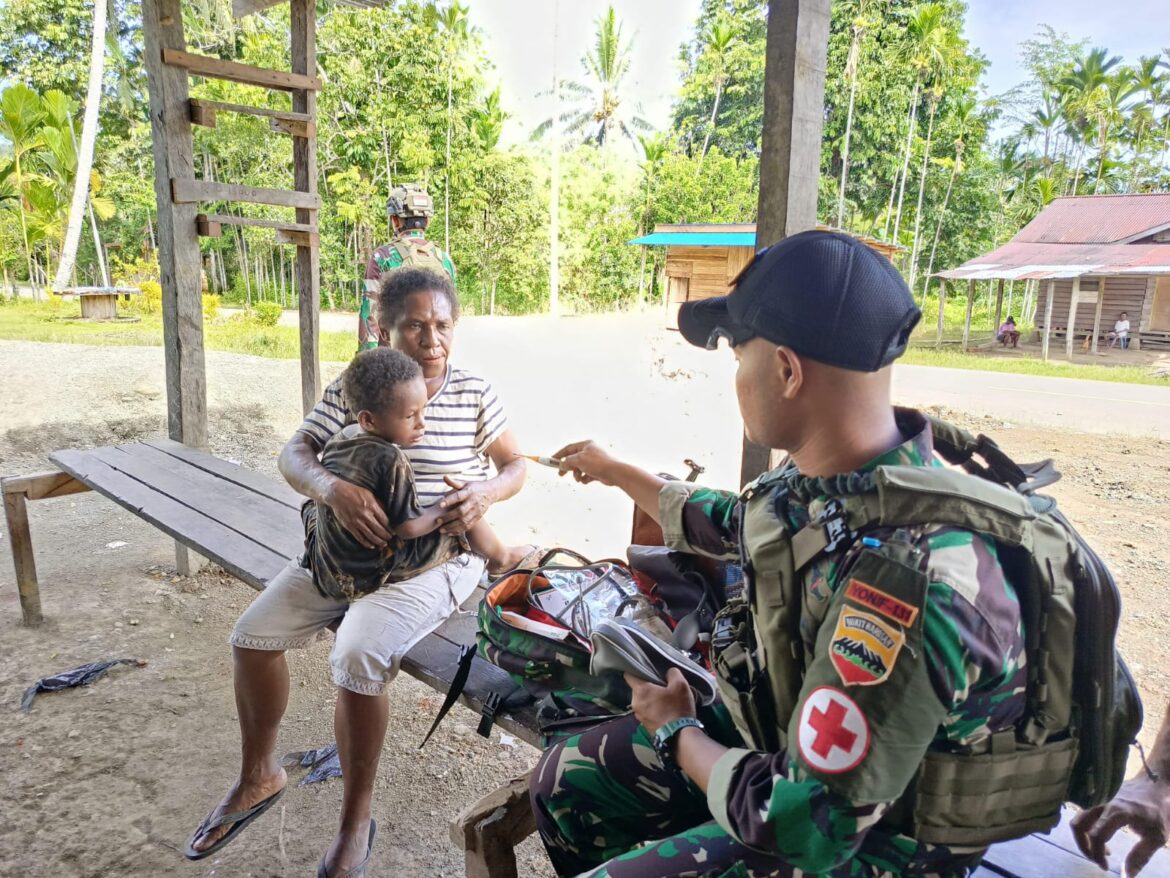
(655, 706)
(1143, 806)
(588, 462)
(359, 513)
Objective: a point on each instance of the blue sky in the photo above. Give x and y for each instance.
(519, 38)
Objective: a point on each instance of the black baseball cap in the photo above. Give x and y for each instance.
(826, 295)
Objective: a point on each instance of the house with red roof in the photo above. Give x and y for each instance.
(1093, 257)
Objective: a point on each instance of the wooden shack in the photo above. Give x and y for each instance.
(702, 259)
(1092, 257)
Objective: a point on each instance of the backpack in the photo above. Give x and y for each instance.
(420, 253)
(546, 660)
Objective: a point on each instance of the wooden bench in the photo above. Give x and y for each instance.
(250, 525)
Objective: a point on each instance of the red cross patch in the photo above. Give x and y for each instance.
(833, 736)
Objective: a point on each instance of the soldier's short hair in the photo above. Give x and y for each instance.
(373, 378)
(399, 283)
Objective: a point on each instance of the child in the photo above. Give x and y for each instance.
(385, 390)
(1008, 334)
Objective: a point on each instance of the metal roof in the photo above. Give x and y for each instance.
(700, 239)
(1098, 219)
(1026, 261)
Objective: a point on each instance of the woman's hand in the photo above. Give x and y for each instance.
(655, 706)
(464, 506)
(588, 462)
(359, 513)
(1142, 805)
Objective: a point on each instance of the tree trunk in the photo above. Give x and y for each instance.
(1101, 161)
(493, 306)
(854, 56)
(554, 207)
(711, 126)
(906, 160)
(938, 228)
(921, 195)
(89, 128)
(447, 167)
(97, 246)
(642, 280)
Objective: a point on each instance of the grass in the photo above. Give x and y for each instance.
(55, 321)
(51, 322)
(1032, 366)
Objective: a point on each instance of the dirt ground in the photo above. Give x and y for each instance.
(111, 779)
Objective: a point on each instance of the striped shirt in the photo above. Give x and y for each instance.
(464, 418)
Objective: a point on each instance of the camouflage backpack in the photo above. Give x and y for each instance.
(547, 660)
(420, 253)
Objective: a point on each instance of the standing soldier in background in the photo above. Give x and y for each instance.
(410, 210)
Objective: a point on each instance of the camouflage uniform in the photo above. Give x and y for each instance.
(383, 259)
(599, 795)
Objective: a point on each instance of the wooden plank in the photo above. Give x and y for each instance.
(303, 52)
(222, 107)
(970, 307)
(489, 830)
(42, 486)
(227, 219)
(1035, 857)
(178, 244)
(1071, 323)
(240, 556)
(293, 127)
(298, 238)
(262, 520)
(23, 562)
(217, 68)
(942, 302)
(240, 8)
(202, 114)
(188, 190)
(1048, 300)
(282, 492)
(207, 228)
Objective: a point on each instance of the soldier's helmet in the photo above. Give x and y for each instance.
(410, 200)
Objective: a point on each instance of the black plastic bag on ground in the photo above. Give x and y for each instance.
(80, 676)
(323, 763)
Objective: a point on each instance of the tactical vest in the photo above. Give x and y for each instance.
(420, 253)
(1082, 709)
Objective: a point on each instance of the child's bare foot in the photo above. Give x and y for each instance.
(514, 557)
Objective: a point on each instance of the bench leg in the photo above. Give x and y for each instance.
(16, 514)
(488, 830)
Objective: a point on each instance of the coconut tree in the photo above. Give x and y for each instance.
(89, 128)
(598, 106)
(21, 114)
(1084, 96)
(654, 150)
(721, 39)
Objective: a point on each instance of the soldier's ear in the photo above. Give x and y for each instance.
(790, 372)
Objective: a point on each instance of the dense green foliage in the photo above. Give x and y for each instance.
(913, 151)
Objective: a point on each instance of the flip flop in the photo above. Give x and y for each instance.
(358, 870)
(240, 818)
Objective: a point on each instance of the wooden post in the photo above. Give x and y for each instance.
(488, 830)
(998, 305)
(1071, 326)
(942, 302)
(16, 515)
(1011, 299)
(304, 61)
(1050, 295)
(970, 307)
(1097, 312)
(178, 241)
(790, 155)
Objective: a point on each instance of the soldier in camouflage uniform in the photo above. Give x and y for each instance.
(410, 210)
(884, 674)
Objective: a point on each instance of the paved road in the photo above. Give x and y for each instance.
(1086, 406)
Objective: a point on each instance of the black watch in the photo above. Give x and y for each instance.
(666, 735)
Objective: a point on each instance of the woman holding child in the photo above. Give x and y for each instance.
(394, 459)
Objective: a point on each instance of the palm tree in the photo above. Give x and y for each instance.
(964, 113)
(1083, 88)
(860, 26)
(451, 21)
(21, 114)
(600, 108)
(1147, 79)
(487, 122)
(722, 36)
(931, 42)
(89, 128)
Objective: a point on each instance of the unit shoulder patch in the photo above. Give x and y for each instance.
(864, 648)
(833, 736)
(886, 604)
